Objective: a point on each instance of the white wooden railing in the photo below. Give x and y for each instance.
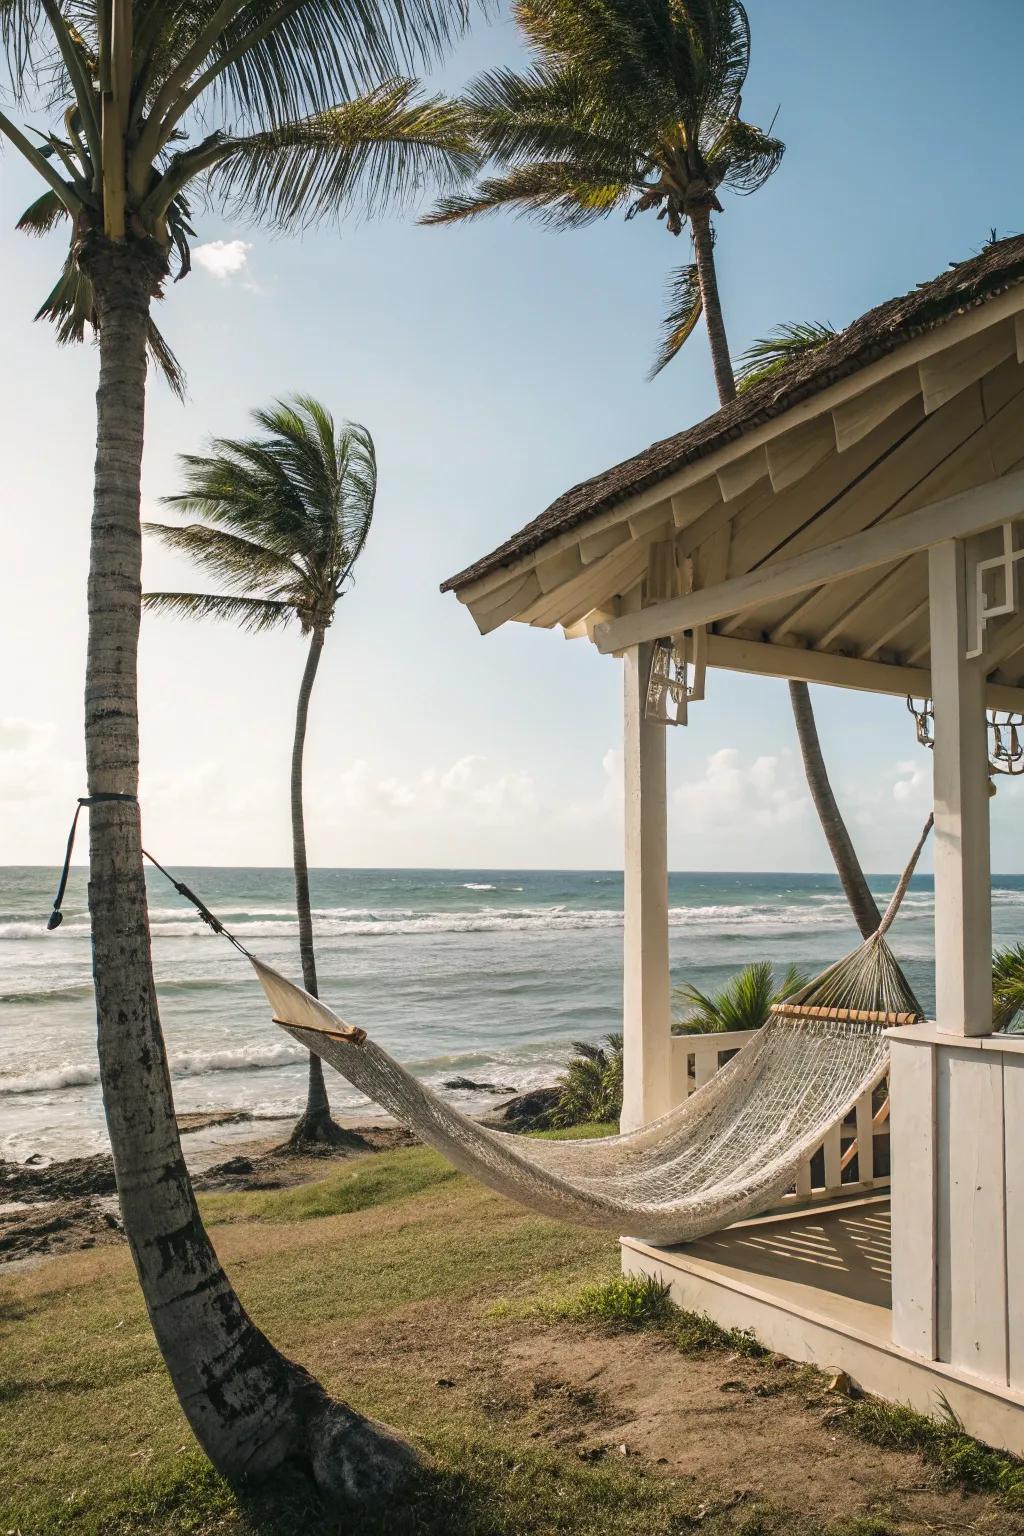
(831, 1170)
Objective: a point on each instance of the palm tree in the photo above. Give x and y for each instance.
(139, 94)
(634, 106)
(286, 519)
(744, 1002)
(630, 105)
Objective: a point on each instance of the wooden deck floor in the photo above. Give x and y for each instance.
(833, 1262)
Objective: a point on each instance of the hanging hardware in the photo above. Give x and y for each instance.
(1007, 753)
(1005, 728)
(675, 679)
(923, 712)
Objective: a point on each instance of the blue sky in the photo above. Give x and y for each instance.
(496, 365)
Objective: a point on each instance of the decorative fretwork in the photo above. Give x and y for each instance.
(1005, 728)
(979, 588)
(670, 682)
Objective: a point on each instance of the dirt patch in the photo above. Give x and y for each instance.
(747, 1430)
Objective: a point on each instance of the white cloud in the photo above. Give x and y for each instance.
(469, 792)
(766, 792)
(222, 258)
(912, 781)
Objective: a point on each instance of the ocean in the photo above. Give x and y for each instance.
(484, 974)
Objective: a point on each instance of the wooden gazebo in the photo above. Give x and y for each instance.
(857, 521)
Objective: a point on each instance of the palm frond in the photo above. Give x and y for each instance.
(685, 307)
(561, 194)
(261, 64)
(743, 157)
(165, 361)
(42, 215)
(240, 563)
(381, 151)
(27, 47)
(743, 1003)
(254, 614)
(772, 354)
(553, 112)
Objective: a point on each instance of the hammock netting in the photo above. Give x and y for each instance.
(728, 1152)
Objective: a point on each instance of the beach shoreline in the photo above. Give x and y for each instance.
(58, 1207)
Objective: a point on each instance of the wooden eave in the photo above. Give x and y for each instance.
(941, 415)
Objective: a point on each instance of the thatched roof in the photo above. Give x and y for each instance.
(874, 335)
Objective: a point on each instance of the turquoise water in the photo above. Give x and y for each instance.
(487, 974)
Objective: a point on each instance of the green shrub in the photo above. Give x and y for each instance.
(591, 1089)
(744, 1002)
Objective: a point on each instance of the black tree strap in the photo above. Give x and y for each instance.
(57, 917)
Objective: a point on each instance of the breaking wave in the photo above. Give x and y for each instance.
(249, 1058)
(367, 923)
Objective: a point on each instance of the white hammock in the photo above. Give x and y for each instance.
(728, 1152)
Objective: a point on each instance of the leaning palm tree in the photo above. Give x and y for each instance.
(286, 517)
(280, 110)
(633, 106)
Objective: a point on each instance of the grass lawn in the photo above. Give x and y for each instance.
(492, 1338)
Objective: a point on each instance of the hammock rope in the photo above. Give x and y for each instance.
(728, 1152)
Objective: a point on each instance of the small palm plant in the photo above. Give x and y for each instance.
(285, 518)
(770, 355)
(1008, 989)
(591, 1089)
(744, 1002)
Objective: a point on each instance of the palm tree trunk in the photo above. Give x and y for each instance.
(704, 250)
(315, 1123)
(250, 1408)
(862, 903)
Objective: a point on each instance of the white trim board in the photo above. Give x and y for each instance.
(973, 511)
(730, 653)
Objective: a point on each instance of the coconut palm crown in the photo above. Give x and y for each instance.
(285, 517)
(630, 106)
(318, 113)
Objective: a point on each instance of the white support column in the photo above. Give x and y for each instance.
(952, 1240)
(646, 1021)
(963, 894)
